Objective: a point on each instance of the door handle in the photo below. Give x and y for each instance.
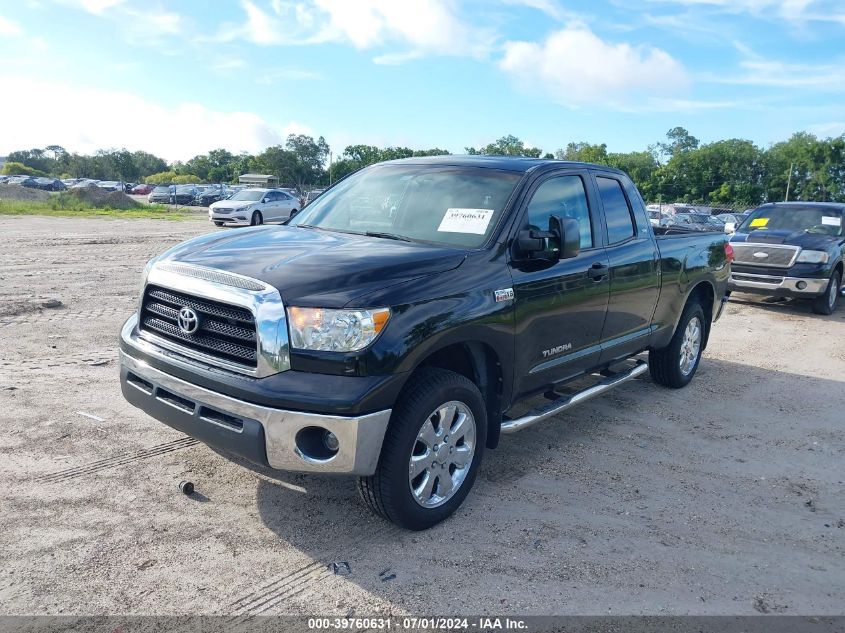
(598, 271)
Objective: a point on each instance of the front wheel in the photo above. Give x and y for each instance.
(257, 219)
(826, 303)
(431, 451)
(218, 223)
(676, 364)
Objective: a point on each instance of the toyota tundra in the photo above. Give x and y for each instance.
(390, 329)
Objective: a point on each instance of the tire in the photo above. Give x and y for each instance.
(293, 213)
(675, 365)
(217, 223)
(388, 492)
(257, 219)
(826, 303)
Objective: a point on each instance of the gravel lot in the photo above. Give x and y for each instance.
(722, 498)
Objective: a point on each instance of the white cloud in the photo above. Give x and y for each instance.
(142, 23)
(797, 12)
(419, 27)
(550, 7)
(99, 119)
(97, 7)
(576, 67)
(777, 74)
(834, 128)
(9, 28)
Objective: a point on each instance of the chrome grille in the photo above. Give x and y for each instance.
(217, 276)
(225, 331)
(769, 255)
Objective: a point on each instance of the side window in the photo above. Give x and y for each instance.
(566, 197)
(617, 213)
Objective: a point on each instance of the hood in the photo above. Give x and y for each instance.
(310, 267)
(811, 241)
(232, 204)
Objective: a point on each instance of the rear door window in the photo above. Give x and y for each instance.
(617, 212)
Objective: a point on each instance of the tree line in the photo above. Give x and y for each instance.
(732, 172)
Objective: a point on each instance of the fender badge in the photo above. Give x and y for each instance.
(505, 294)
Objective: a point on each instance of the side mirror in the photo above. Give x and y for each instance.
(561, 241)
(570, 232)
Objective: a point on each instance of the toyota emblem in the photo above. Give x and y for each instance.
(188, 320)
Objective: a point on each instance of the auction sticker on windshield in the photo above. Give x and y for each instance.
(759, 221)
(831, 220)
(466, 221)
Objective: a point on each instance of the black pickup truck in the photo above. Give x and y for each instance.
(389, 330)
(791, 249)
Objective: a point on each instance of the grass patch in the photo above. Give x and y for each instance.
(66, 206)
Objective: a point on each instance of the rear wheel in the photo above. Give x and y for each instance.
(257, 219)
(431, 451)
(676, 364)
(826, 303)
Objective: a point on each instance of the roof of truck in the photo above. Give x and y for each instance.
(510, 163)
(799, 203)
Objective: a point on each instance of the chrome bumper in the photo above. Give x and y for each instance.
(359, 438)
(771, 284)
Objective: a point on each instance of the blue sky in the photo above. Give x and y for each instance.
(180, 78)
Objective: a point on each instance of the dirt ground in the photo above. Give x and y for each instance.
(722, 498)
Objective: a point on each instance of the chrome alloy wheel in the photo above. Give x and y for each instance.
(833, 291)
(442, 454)
(690, 346)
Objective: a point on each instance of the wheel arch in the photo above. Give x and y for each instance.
(479, 362)
(705, 294)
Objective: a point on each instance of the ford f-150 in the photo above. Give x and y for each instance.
(791, 249)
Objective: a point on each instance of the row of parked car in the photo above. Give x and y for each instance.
(696, 219)
(189, 194)
(48, 183)
(206, 195)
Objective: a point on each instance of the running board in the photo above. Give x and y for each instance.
(565, 402)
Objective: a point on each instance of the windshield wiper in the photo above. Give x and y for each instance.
(389, 236)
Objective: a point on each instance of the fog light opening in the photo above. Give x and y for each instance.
(316, 444)
(801, 285)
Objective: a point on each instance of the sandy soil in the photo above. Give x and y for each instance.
(722, 498)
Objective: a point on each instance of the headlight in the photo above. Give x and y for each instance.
(335, 330)
(813, 257)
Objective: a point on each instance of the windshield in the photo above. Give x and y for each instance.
(448, 205)
(811, 219)
(250, 195)
(161, 190)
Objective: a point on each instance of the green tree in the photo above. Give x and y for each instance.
(584, 152)
(15, 168)
(506, 146)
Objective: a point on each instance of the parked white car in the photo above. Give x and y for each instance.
(254, 206)
(730, 220)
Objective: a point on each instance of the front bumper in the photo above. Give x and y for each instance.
(238, 216)
(278, 438)
(773, 285)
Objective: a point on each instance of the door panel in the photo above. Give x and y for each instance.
(634, 273)
(560, 304)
